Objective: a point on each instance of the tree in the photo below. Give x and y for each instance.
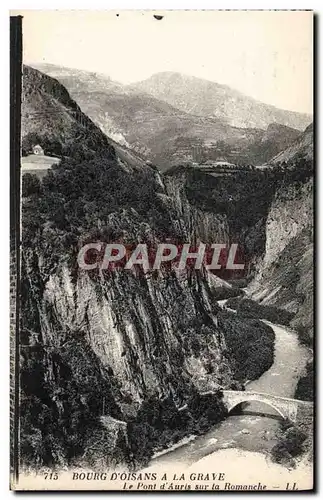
(30, 185)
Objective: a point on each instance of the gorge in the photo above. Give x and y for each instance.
(118, 365)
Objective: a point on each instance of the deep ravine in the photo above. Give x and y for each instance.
(255, 428)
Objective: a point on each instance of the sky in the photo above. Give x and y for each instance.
(264, 54)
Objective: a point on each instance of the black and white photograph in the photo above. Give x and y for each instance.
(162, 250)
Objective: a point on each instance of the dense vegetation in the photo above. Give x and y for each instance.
(160, 423)
(305, 386)
(248, 308)
(290, 445)
(305, 334)
(85, 143)
(250, 345)
(223, 292)
(60, 215)
(59, 408)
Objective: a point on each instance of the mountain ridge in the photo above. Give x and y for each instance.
(160, 132)
(208, 98)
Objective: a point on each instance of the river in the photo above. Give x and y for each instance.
(252, 432)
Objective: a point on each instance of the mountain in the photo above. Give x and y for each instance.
(301, 148)
(128, 117)
(52, 119)
(160, 132)
(205, 98)
(276, 138)
(118, 364)
(273, 140)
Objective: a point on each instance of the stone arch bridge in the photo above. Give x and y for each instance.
(286, 407)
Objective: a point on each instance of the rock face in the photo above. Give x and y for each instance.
(285, 273)
(290, 213)
(224, 209)
(151, 335)
(145, 329)
(52, 120)
(276, 138)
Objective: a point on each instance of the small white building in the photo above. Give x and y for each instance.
(38, 150)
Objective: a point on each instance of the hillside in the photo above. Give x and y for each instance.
(285, 274)
(301, 148)
(206, 98)
(53, 120)
(276, 138)
(161, 132)
(284, 277)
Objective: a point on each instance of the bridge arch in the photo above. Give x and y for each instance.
(233, 405)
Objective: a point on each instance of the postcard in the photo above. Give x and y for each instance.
(161, 279)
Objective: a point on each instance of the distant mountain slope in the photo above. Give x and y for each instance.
(301, 148)
(162, 133)
(276, 138)
(124, 115)
(52, 119)
(206, 98)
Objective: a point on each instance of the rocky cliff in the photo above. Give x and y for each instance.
(270, 215)
(284, 276)
(224, 209)
(285, 273)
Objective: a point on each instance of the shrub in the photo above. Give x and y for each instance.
(222, 293)
(250, 309)
(290, 445)
(30, 184)
(305, 335)
(250, 344)
(305, 385)
(280, 455)
(160, 423)
(59, 414)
